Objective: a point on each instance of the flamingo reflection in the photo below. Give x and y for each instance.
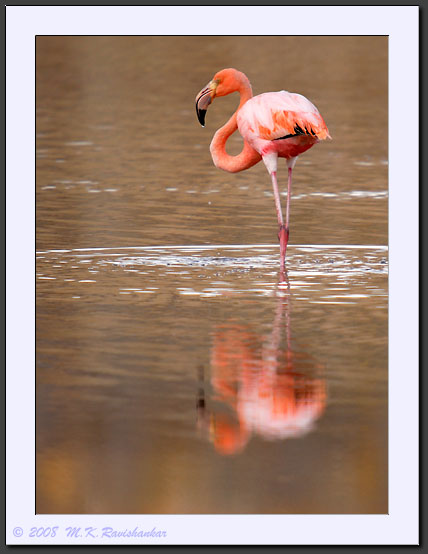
(268, 387)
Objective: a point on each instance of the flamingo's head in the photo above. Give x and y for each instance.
(224, 82)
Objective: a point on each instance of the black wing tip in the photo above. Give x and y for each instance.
(298, 132)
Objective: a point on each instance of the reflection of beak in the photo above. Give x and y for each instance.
(203, 100)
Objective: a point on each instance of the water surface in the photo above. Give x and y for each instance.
(178, 371)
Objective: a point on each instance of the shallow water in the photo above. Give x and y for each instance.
(178, 371)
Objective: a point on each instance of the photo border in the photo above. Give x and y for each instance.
(400, 23)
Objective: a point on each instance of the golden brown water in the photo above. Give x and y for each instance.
(177, 371)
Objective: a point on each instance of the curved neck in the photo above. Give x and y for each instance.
(248, 156)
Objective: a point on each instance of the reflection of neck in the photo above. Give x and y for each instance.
(248, 156)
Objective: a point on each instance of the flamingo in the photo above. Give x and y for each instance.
(272, 124)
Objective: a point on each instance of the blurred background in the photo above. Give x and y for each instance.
(197, 380)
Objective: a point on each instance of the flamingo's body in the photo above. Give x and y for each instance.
(273, 124)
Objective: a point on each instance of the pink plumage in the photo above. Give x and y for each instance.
(268, 122)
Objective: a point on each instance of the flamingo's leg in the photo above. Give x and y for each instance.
(283, 229)
(287, 213)
(291, 162)
(271, 162)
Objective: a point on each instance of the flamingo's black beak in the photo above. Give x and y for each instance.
(203, 100)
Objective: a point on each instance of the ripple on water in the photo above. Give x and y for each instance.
(321, 274)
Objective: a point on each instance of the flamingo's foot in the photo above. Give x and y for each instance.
(283, 235)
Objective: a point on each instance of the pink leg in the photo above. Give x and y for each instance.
(287, 213)
(283, 229)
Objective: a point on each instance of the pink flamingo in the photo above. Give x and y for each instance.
(272, 124)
